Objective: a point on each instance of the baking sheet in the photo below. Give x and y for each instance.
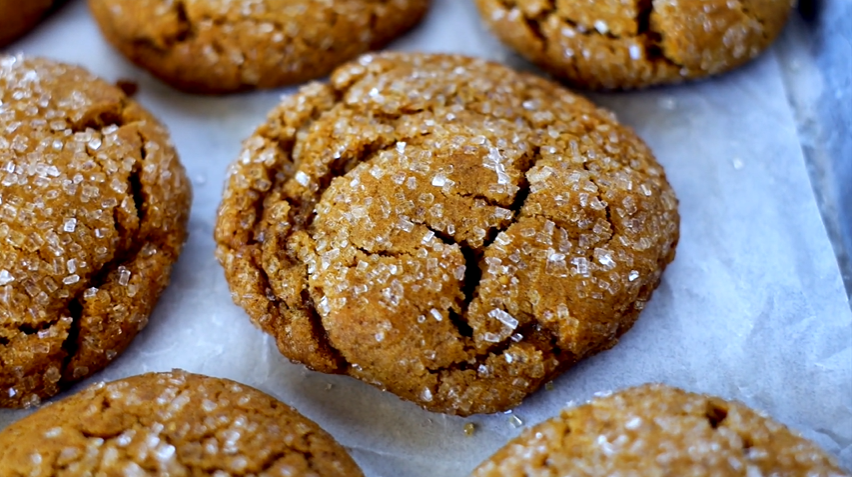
(816, 58)
(753, 307)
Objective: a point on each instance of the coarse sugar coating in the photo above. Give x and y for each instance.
(657, 430)
(223, 46)
(624, 44)
(171, 424)
(444, 228)
(93, 212)
(18, 17)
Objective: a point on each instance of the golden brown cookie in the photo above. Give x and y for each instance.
(19, 16)
(444, 228)
(656, 430)
(93, 212)
(623, 44)
(214, 47)
(171, 424)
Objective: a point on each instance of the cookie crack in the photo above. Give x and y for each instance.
(135, 180)
(650, 38)
(607, 206)
(137, 195)
(474, 257)
(644, 9)
(534, 26)
(185, 28)
(497, 349)
(76, 307)
(321, 333)
(473, 260)
(30, 329)
(382, 253)
(99, 435)
(485, 199)
(273, 459)
(308, 455)
(250, 246)
(184, 31)
(100, 119)
(71, 344)
(715, 414)
(440, 234)
(338, 168)
(532, 334)
(96, 120)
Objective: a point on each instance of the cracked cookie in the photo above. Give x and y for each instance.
(17, 17)
(171, 424)
(216, 47)
(656, 430)
(625, 44)
(444, 228)
(93, 212)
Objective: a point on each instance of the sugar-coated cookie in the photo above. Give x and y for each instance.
(93, 210)
(19, 16)
(444, 228)
(657, 430)
(171, 424)
(624, 44)
(217, 46)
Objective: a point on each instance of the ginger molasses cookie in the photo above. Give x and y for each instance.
(171, 424)
(214, 47)
(660, 430)
(93, 212)
(444, 228)
(18, 17)
(616, 44)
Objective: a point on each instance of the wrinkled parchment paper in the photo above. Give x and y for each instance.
(753, 308)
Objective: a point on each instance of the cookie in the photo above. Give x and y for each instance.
(444, 228)
(656, 430)
(93, 211)
(616, 44)
(215, 47)
(18, 17)
(171, 424)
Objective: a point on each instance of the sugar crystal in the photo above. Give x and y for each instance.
(439, 180)
(123, 276)
(515, 421)
(303, 178)
(504, 318)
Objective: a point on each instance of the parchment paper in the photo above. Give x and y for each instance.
(753, 308)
